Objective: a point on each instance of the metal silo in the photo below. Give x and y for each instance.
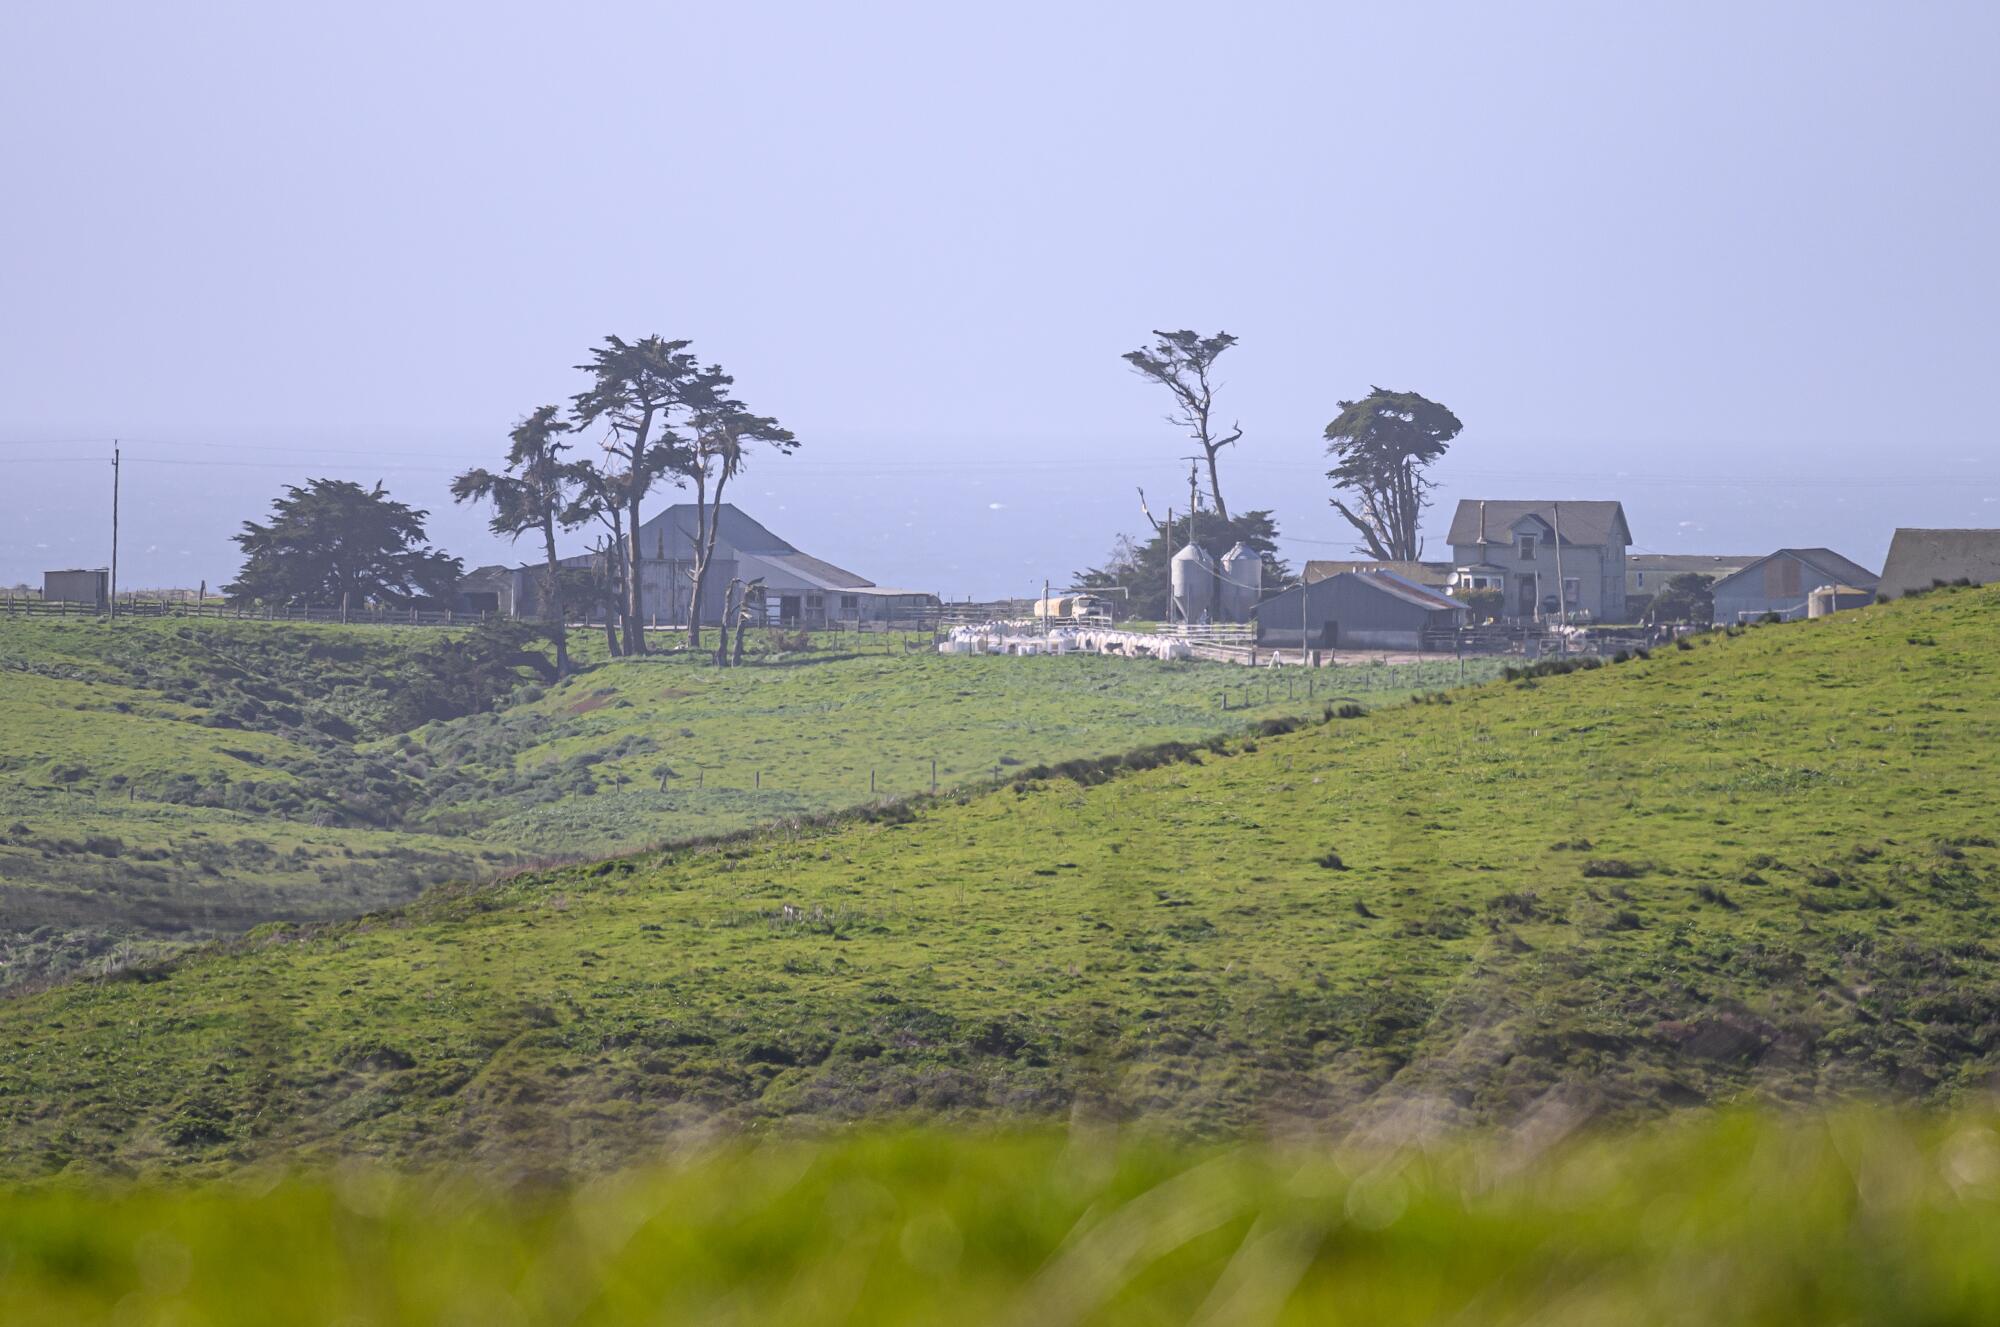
(1242, 582)
(1193, 574)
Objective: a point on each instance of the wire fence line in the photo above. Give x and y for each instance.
(370, 616)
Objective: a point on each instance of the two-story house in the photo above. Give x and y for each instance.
(1543, 556)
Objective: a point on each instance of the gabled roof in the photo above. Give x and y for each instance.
(1583, 523)
(1708, 564)
(671, 534)
(800, 567)
(1408, 591)
(1919, 559)
(1423, 573)
(1381, 582)
(1830, 568)
(682, 521)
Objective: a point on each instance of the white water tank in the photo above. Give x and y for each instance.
(1242, 582)
(1193, 579)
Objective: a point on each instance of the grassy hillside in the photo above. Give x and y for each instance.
(1763, 865)
(637, 753)
(162, 782)
(1861, 1219)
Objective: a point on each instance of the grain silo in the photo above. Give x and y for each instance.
(1193, 578)
(1242, 575)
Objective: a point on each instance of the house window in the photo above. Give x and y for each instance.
(850, 601)
(1527, 548)
(814, 601)
(1572, 591)
(1642, 580)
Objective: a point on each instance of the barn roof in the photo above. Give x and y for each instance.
(1385, 583)
(803, 567)
(671, 534)
(1712, 564)
(1408, 590)
(1583, 523)
(1423, 573)
(1919, 559)
(1829, 566)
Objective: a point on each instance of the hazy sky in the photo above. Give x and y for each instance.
(1733, 264)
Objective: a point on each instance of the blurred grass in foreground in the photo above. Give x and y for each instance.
(1858, 1217)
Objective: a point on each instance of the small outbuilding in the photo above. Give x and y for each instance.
(1830, 599)
(1921, 559)
(494, 591)
(1782, 583)
(91, 588)
(1358, 610)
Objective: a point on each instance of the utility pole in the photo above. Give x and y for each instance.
(1194, 501)
(1302, 619)
(112, 607)
(1194, 495)
(1562, 586)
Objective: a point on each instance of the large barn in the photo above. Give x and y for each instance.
(1782, 583)
(1357, 610)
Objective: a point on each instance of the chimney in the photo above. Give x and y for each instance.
(1482, 527)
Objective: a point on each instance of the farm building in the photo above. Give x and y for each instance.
(494, 590)
(799, 590)
(1920, 559)
(77, 586)
(1431, 575)
(1830, 599)
(1783, 582)
(1523, 549)
(1358, 610)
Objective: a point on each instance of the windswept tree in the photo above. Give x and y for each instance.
(600, 497)
(1183, 362)
(337, 544)
(535, 493)
(1382, 446)
(723, 436)
(643, 392)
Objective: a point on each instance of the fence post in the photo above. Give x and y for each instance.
(934, 776)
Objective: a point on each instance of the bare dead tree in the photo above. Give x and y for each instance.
(746, 609)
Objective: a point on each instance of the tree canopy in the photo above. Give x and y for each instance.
(1687, 597)
(1382, 445)
(721, 434)
(333, 542)
(536, 493)
(645, 392)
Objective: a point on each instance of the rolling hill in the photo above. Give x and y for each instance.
(1760, 867)
(166, 782)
